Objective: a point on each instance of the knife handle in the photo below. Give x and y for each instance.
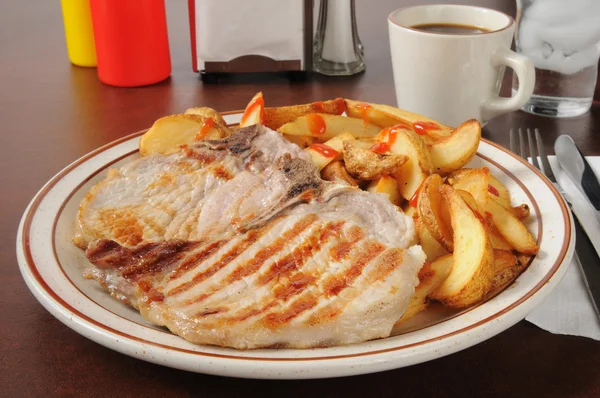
(590, 185)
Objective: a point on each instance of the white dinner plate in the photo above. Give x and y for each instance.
(52, 266)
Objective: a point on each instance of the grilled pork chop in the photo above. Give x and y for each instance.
(161, 197)
(300, 280)
(274, 256)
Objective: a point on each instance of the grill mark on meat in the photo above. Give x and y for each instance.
(152, 294)
(222, 172)
(343, 248)
(106, 253)
(275, 320)
(296, 259)
(225, 260)
(158, 259)
(204, 157)
(333, 286)
(248, 313)
(254, 264)
(212, 311)
(382, 270)
(196, 258)
(267, 252)
(164, 180)
(123, 224)
(299, 283)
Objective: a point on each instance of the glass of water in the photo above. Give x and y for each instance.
(562, 38)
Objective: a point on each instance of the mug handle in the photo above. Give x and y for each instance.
(525, 71)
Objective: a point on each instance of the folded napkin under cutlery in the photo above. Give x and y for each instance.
(569, 309)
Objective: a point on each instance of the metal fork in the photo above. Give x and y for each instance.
(586, 255)
(517, 145)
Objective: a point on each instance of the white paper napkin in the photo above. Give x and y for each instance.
(568, 309)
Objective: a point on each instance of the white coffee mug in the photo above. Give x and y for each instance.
(456, 77)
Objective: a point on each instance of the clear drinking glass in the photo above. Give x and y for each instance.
(337, 47)
(562, 38)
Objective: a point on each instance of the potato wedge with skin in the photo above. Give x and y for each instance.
(169, 133)
(365, 164)
(476, 182)
(333, 148)
(506, 269)
(277, 117)
(431, 276)
(254, 112)
(434, 213)
(473, 259)
(388, 186)
(391, 115)
(335, 171)
(521, 211)
(371, 114)
(455, 151)
(511, 228)
(207, 112)
(411, 175)
(300, 140)
(432, 248)
(324, 126)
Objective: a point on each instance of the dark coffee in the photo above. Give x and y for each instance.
(451, 28)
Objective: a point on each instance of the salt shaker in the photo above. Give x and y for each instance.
(337, 47)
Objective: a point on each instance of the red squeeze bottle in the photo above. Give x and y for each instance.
(132, 43)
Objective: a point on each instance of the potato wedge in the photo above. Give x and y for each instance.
(432, 248)
(324, 126)
(207, 112)
(388, 186)
(434, 212)
(336, 171)
(511, 228)
(521, 211)
(499, 192)
(476, 182)
(455, 151)
(394, 115)
(169, 133)
(409, 210)
(365, 164)
(473, 259)
(506, 269)
(432, 275)
(254, 112)
(277, 117)
(497, 240)
(370, 113)
(411, 175)
(323, 154)
(302, 141)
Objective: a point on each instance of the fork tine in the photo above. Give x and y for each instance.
(531, 140)
(513, 141)
(522, 151)
(543, 157)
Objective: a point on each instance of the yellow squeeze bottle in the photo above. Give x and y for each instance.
(78, 32)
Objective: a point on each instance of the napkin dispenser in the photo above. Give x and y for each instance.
(239, 36)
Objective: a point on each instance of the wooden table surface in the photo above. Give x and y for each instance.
(52, 113)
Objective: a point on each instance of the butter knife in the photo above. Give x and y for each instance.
(578, 169)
